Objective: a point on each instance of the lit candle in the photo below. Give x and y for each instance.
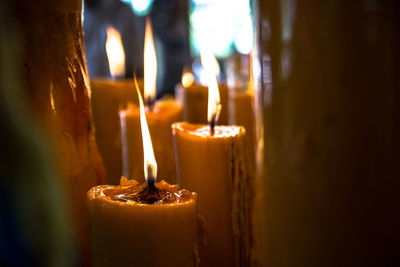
(160, 115)
(108, 97)
(148, 224)
(211, 161)
(194, 96)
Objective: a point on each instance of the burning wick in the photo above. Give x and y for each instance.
(150, 164)
(211, 68)
(150, 103)
(212, 124)
(151, 180)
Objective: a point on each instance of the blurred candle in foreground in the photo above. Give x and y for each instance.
(160, 115)
(211, 161)
(108, 97)
(148, 224)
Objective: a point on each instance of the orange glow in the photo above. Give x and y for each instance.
(150, 63)
(115, 53)
(211, 68)
(150, 164)
(187, 79)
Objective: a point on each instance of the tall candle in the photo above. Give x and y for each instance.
(214, 167)
(149, 224)
(160, 119)
(211, 160)
(108, 97)
(160, 114)
(241, 112)
(194, 97)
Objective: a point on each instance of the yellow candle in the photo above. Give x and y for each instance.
(148, 224)
(214, 167)
(194, 103)
(108, 97)
(127, 231)
(160, 119)
(211, 160)
(160, 115)
(241, 112)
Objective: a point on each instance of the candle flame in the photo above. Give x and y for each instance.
(150, 164)
(187, 79)
(115, 53)
(150, 63)
(211, 68)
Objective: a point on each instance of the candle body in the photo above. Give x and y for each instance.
(241, 112)
(329, 104)
(214, 166)
(58, 96)
(108, 98)
(133, 234)
(163, 114)
(194, 100)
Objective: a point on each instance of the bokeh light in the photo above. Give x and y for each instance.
(221, 26)
(140, 7)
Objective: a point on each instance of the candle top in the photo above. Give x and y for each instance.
(132, 192)
(163, 107)
(203, 130)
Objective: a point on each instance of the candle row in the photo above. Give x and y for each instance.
(144, 223)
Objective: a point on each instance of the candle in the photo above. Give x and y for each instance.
(211, 161)
(148, 224)
(160, 114)
(108, 97)
(241, 112)
(193, 97)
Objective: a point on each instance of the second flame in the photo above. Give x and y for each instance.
(211, 68)
(150, 64)
(150, 164)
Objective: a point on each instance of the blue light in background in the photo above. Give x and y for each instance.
(140, 7)
(221, 26)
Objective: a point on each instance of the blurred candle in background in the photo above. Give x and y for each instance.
(193, 96)
(211, 161)
(108, 97)
(240, 100)
(160, 115)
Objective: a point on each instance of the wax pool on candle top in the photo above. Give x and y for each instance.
(128, 231)
(215, 167)
(159, 118)
(108, 97)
